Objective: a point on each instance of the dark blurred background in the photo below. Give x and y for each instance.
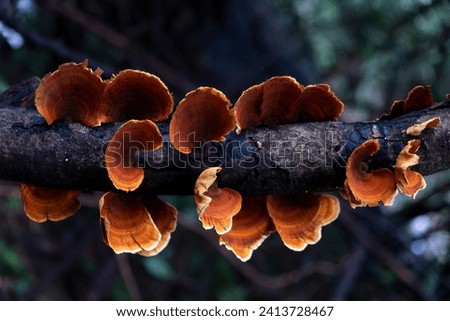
(371, 52)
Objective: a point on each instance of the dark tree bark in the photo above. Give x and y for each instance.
(282, 159)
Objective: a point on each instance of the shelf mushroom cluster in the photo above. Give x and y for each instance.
(244, 221)
(136, 223)
(130, 223)
(380, 186)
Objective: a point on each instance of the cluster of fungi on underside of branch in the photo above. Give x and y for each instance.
(136, 222)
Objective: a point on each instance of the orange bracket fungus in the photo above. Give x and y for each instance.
(409, 182)
(46, 203)
(120, 158)
(126, 224)
(316, 103)
(215, 206)
(138, 223)
(417, 129)
(299, 218)
(73, 92)
(165, 217)
(368, 188)
(203, 115)
(134, 94)
(418, 98)
(251, 226)
(267, 103)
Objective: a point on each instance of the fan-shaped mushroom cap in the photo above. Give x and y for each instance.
(73, 92)
(420, 97)
(347, 194)
(165, 217)
(120, 153)
(417, 129)
(126, 224)
(299, 218)
(316, 103)
(268, 103)
(409, 182)
(135, 94)
(251, 226)
(202, 115)
(369, 188)
(46, 203)
(215, 206)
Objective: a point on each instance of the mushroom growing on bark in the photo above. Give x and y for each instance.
(417, 129)
(368, 188)
(120, 155)
(215, 206)
(418, 98)
(299, 218)
(203, 115)
(409, 182)
(131, 225)
(251, 226)
(316, 103)
(268, 103)
(277, 101)
(135, 94)
(73, 92)
(165, 217)
(46, 203)
(126, 224)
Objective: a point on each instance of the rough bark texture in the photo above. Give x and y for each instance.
(283, 159)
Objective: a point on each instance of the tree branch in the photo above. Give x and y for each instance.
(282, 159)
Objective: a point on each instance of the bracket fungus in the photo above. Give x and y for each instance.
(203, 115)
(137, 223)
(417, 129)
(120, 154)
(368, 188)
(316, 103)
(165, 217)
(72, 92)
(127, 225)
(244, 222)
(46, 203)
(135, 94)
(251, 226)
(409, 182)
(282, 100)
(420, 97)
(130, 222)
(299, 218)
(267, 103)
(215, 206)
